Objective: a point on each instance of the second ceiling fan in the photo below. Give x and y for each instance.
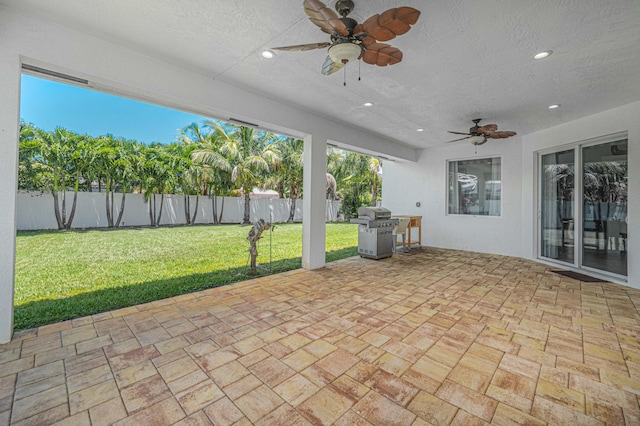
(479, 134)
(350, 40)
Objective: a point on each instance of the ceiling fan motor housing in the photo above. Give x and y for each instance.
(344, 7)
(474, 129)
(350, 24)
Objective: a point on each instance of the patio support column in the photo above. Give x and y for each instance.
(9, 133)
(314, 208)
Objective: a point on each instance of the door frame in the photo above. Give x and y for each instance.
(577, 147)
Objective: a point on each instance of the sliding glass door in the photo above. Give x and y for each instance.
(604, 211)
(583, 207)
(557, 206)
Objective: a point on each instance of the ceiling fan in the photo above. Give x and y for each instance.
(479, 134)
(350, 40)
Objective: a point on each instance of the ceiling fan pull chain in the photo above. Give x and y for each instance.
(359, 63)
(345, 77)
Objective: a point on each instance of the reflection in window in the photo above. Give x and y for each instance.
(557, 206)
(604, 210)
(475, 187)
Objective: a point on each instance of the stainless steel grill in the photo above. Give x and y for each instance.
(375, 233)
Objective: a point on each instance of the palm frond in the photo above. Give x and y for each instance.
(212, 159)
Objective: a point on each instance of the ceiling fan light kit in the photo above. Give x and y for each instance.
(345, 52)
(477, 140)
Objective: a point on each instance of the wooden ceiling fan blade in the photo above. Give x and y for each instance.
(388, 20)
(381, 54)
(488, 128)
(456, 140)
(329, 67)
(492, 135)
(408, 15)
(459, 133)
(303, 47)
(372, 27)
(500, 135)
(324, 17)
(391, 23)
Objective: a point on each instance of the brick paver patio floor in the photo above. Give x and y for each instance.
(429, 337)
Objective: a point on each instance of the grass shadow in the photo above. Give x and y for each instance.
(42, 312)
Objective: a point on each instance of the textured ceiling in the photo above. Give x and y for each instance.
(464, 59)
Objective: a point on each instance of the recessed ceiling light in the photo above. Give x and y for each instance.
(367, 104)
(268, 54)
(543, 55)
(554, 106)
(420, 130)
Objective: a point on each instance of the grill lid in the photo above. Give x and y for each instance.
(374, 213)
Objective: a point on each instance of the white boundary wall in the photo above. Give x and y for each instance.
(35, 210)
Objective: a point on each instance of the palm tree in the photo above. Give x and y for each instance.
(194, 183)
(29, 172)
(155, 177)
(63, 156)
(83, 158)
(116, 167)
(288, 177)
(184, 170)
(374, 174)
(357, 177)
(562, 176)
(604, 182)
(213, 169)
(251, 155)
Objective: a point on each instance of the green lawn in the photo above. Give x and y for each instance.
(62, 275)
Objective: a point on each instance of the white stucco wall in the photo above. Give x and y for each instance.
(404, 184)
(315, 188)
(9, 132)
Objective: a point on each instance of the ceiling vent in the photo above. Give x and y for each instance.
(243, 123)
(54, 74)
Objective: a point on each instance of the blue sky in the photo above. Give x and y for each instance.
(49, 104)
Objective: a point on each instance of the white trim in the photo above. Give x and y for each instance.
(446, 183)
(9, 137)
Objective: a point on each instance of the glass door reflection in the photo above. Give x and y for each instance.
(604, 211)
(557, 206)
